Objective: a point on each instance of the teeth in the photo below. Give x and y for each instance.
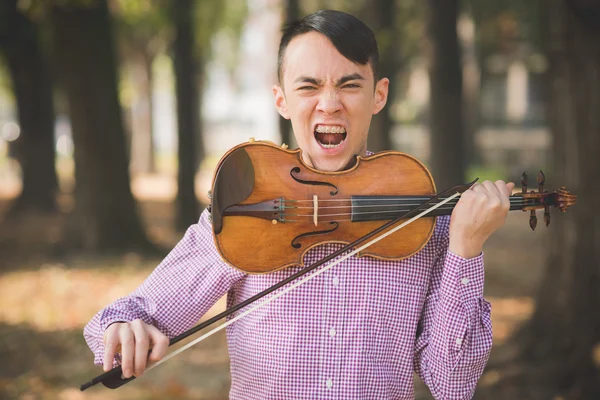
(330, 129)
(332, 146)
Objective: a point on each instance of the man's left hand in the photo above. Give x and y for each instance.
(480, 211)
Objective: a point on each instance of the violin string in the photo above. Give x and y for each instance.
(354, 213)
(285, 215)
(391, 198)
(294, 285)
(515, 202)
(519, 202)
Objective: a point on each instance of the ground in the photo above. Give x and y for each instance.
(46, 301)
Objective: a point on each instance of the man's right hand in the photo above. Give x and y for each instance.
(134, 339)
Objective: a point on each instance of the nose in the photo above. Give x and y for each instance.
(329, 102)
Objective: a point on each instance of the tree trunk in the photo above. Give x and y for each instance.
(142, 145)
(105, 217)
(471, 85)
(565, 328)
(32, 86)
(292, 13)
(384, 25)
(446, 116)
(188, 112)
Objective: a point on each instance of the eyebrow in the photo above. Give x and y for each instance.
(340, 82)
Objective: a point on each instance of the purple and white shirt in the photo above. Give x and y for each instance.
(357, 331)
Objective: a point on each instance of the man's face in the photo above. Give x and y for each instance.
(330, 101)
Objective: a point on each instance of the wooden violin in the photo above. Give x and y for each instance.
(269, 208)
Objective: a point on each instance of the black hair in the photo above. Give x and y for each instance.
(349, 35)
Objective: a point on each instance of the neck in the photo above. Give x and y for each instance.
(380, 208)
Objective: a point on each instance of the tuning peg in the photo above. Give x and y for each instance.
(524, 182)
(532, 220)
(541, 179)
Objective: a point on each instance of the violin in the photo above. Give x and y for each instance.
(268, 208)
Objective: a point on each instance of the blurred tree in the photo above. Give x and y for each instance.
(143, 31)
(105, 215)
(291, 13)
(446, 112)
(196, 23)
(564, 333)
(382, 16)
(471, 73)
(185, 61)
(32, 86)
(504, 24)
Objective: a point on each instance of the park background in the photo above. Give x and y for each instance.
(113, 114)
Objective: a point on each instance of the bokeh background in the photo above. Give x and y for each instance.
(113, 114)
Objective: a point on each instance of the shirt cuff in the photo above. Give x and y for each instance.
(111, 316)
(463, 279)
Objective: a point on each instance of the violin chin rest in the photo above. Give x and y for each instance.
(233, 183)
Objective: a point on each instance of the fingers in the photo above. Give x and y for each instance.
(498, 188)
(491, 189)
(127, 349)
(495, 194)
(133, 341)
(160, 343)
(111, 342)
(510, 186)
(142, 343)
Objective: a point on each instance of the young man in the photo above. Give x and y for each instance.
(359, 330)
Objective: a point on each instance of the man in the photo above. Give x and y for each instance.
(359, 330)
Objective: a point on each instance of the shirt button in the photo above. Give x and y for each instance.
(336, 281)
(459, 341)
(464, 281)
(329, 383)
(332, 332)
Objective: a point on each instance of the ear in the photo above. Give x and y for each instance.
(381, 94)
(280, 103)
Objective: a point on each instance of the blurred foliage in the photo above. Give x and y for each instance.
(219, 24)
(508, 27)
(491, 173)
(142, 24)
(410, 22)
(148, 23)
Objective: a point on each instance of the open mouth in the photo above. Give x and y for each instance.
(330, 136)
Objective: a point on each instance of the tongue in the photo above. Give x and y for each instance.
(329, 138)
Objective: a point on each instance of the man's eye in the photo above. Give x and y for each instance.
(351, 86)
(306, 88)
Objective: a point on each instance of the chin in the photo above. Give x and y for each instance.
(333, 165)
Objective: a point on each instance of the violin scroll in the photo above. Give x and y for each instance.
(543, 199)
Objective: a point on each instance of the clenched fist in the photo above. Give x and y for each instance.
(480, 211)
(134, 339)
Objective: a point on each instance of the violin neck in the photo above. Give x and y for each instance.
(380, 208)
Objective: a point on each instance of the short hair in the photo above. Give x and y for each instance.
(349, 35)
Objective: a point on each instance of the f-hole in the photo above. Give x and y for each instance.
(296, 170)
(297, 245)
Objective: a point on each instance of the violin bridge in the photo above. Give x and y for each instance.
(315, 209)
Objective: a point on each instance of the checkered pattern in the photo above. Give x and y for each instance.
(355, 332)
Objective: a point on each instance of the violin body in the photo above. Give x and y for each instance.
(269, 208)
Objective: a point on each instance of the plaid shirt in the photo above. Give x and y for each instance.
(357, 331)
